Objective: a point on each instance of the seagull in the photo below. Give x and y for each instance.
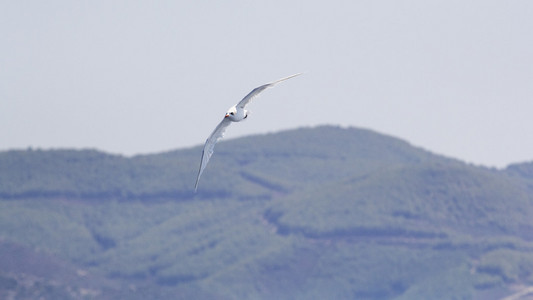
(236, 113)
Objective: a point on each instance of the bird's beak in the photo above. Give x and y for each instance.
(226, 116)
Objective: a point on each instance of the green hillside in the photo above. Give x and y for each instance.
(312, 213)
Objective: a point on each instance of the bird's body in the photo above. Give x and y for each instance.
(236, 113)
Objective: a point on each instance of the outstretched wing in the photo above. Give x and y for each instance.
(209, 147)
(258, 90)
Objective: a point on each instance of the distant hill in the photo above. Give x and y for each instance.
(295, 158)
(311, 213)
(524, 170)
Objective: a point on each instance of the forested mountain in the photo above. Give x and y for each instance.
(312, 213)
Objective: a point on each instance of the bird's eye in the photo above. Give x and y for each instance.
(232, 113)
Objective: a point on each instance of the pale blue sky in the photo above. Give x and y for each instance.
(129, 77)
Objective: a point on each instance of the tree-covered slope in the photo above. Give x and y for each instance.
(311, 213)
(430, 198)
(257, 165)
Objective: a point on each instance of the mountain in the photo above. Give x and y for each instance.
(311, 213)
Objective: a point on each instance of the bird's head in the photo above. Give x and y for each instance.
(231, 113)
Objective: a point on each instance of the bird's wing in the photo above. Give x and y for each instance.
(258, 90)
(209, 147)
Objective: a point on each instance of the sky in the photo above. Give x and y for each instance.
(136, 77)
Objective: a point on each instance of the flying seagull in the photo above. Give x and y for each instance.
(236, 113)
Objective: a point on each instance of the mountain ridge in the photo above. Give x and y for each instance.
(45, 163)
(310, 213)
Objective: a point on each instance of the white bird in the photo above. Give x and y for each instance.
(236, 113)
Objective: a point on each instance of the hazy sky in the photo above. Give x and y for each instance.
(453, 77)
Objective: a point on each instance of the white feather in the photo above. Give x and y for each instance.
(209, 146)
(236, 113)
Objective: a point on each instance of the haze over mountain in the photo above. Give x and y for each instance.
(311, 213)
(126, 77)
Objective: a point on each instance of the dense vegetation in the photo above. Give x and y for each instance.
(303, 214)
